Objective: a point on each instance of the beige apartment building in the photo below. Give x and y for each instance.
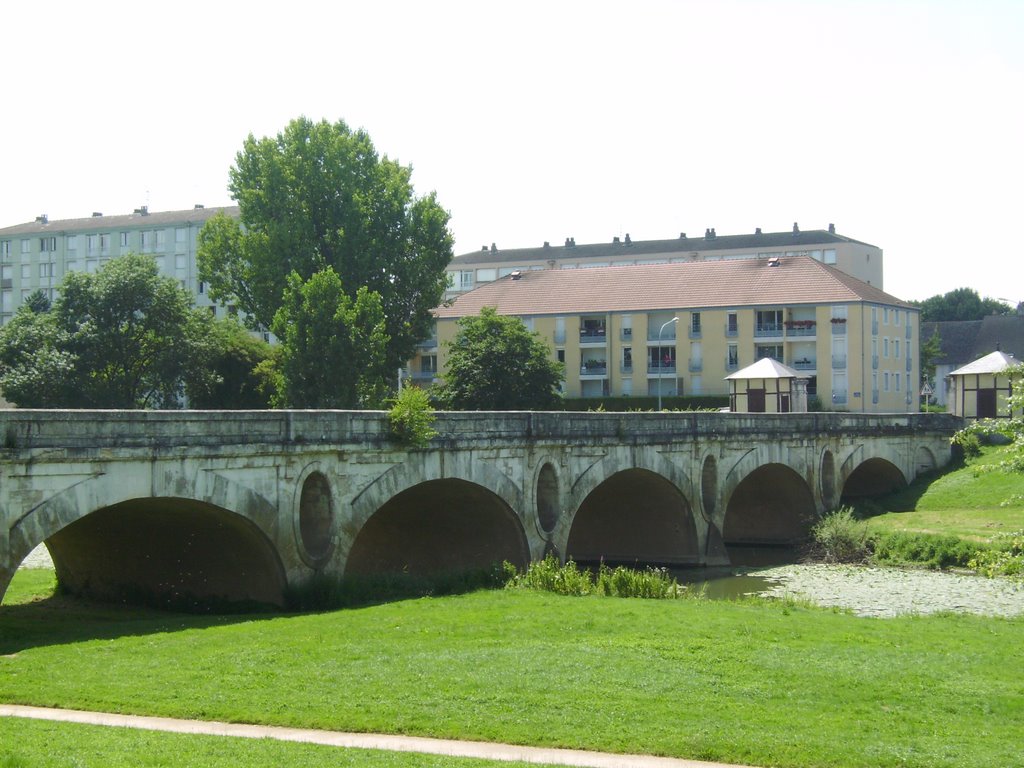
(681, 328)
(477, 268)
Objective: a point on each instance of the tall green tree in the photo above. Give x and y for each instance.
(960, 304)
(333, 347)
(123, 337)
(496, 364)
(319, 196)
(930, 352)
(237, 362)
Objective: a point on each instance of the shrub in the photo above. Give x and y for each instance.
(411, 418)
(1005, 557)
(549, 575)
(969, 443)
(840, 537)
(901, 548)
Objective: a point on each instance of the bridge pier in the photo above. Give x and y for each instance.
(237, 505)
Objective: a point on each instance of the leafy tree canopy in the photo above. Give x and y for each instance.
(318, 196)
(960, 304)
(333, 347)
(238, 361)
(495, 363)
(123, 337)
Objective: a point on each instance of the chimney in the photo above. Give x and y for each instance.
(682, 235)
(628, 241)
(831, 229)
(615, 240)
(567, 242)
(483, 248)
(757, 231)
(198, 207)
(494, 248)
(143, 211)
(42, 219)
(97, 214)
(546, 245)
(796, 229)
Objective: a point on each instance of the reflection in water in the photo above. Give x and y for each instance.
(740, 578)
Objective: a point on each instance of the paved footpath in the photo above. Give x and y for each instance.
(479, 749)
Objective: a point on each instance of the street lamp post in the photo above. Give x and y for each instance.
(660, 373)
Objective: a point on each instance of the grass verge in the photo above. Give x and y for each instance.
(752, 682)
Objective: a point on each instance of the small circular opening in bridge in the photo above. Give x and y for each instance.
(635, 516)
(439, 526)
(547, 498)
(316, 516)
(828, 480)
(874, 477)
(771, 507)
(709, 486)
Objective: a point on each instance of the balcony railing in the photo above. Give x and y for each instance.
(732, 330)
(626, 367)
(668, 334)
(592, 336)
(626, 334)
(427, 343)
(768, 329)
(665, 368)
(594, 369)
(839, 362)
(805, 364)
(801, 329)
(731, 365)
(421, 375)
(838, 329)
(695, 333)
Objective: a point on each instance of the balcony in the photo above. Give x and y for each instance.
(662, 368)
(768, 330)
(839, 362)
(592, 336)
(430, 343)
(594, 368)
(424, 375)
(800, 328)
(669, 334)
(838, 326)
(805, 364)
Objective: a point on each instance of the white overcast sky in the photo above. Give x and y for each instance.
(900, 122)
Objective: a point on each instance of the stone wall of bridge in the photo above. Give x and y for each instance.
(236, 505)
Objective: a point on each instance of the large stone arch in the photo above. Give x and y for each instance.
(767, 499)
(113, 536)
(658, 523)
(872, 476)
(424, 501)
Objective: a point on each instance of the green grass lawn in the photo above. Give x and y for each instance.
(752, 682)
(965, 502)
(37, 744)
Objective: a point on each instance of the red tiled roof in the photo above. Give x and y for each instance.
(645, 288)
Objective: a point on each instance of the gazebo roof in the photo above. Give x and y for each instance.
(765, 368)
(996, 362)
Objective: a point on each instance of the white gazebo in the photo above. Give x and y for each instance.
(767, 386)
(979, 390)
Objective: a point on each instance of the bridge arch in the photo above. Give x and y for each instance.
(767, 503)
(432, 514)
(634, 509)
(874, 476)
(114, 540)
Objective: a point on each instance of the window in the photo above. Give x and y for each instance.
(830, 255)
(7, 272)
(5, 249)
(90, 265)
(897, 317)
(7, 301)
(147, 242)
(885, 348)
(627, 359)
(124, 239)
(179, 261)
(71, 242)
(732, 327)
(428, 364)
(773, 351)
(769, 322)
(160, 263)
(180, 235)
(26, 271)
(732, 359)
(627, 387)
(47, 244)
(91, 243)
(105, 243)
(897, 381)
(661, 359)
(896, 350)
(695, 323)
(45, 269)
(885, 315)
(201, 288)
(486, 275)
(465, 280)
(71, 266)
(26, 246)
(885, 381)
(161, 239)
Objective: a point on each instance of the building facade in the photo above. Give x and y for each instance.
(681, 328)
(37, 255)
(861, 260)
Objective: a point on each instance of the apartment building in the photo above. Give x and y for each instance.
(861, 260)
(38, 255)
(681, 328)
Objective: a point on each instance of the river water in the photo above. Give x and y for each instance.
(878, 592)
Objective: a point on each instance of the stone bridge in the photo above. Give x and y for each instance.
(238, 505)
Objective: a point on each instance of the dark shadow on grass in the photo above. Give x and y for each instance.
(63, 619)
